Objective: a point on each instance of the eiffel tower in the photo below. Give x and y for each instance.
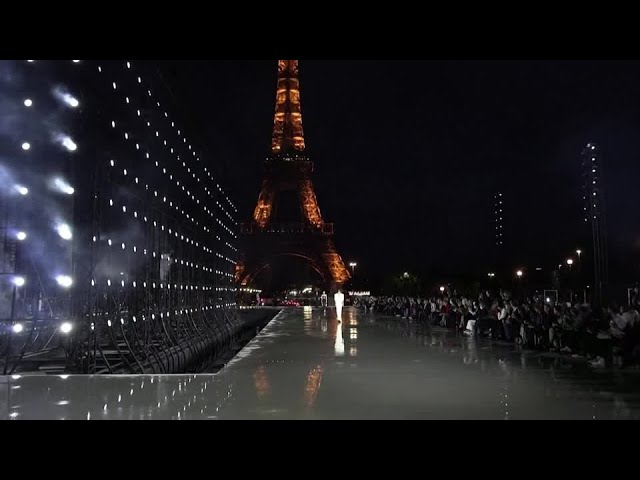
(289, 169)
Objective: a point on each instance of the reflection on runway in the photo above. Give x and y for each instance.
(314, 379)
(307, 365)
(261, 381)
(339, 344)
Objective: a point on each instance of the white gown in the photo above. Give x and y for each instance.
(339, 300)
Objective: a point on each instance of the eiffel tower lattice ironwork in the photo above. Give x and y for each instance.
(289, 169)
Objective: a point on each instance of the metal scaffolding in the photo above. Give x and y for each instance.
(141, 279)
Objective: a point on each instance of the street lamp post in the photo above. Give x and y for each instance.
(519, 274)
(353, 266)
(570, 263)
(580, 284)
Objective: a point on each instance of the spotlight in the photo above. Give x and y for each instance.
(21, 236)
(64, 231)
(28, 102)
(63, 186)
(64, 281)
(69, 144)
(70, 100)
(17, 328)
(66, 327)
(26, 146)
(22, 190)
(18, 281)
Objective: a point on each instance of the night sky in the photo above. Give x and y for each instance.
(409, 154)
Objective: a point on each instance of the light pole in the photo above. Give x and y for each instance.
(580, 285)
(519, 274)
(353, 266)
(570, 263)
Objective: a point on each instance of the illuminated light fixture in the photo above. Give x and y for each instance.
(22, 190)
(63, 186)
(64, 231)
(26, 146)
(64, 281)
(68, 143)
(17, 328)
(28, 102)
(569, 261)
(65, 97)
(21, 236)
(66, 327)
(519, 273)
(18, 281)
(75, 61)
(442, 289)
(71, 101)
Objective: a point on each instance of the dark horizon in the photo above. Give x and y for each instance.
(422, 146)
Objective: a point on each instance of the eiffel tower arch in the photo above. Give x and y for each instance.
(289, 169)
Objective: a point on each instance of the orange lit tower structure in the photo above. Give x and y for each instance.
(289, 169)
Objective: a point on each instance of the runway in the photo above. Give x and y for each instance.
(306, 365)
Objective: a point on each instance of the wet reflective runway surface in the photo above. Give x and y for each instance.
(306, 365)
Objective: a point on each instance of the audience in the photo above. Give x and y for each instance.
(609, 336)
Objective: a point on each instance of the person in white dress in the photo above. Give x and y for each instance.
(338, 297)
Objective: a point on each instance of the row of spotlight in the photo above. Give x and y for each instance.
(64, 327)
